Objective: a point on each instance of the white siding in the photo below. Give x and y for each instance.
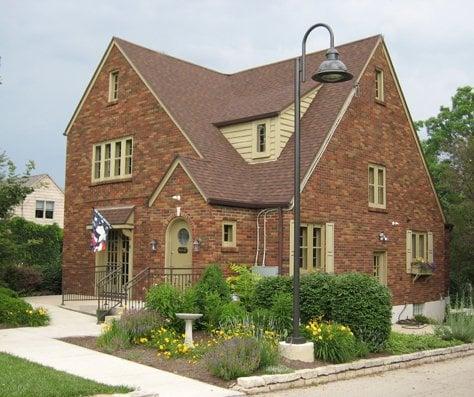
(45, 190)
(242, 136)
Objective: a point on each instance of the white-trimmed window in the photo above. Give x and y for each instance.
(229, 234)
(113, 85)
(44, 209)
(112, 159)
(379, 88)
(377, 186)
(380, 266)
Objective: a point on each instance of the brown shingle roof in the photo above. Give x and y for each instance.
(199, 98)
(116, 215)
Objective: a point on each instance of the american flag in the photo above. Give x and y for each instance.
(100, 230)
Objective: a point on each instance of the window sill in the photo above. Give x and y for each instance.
(380, 210)
(229, 249)
(112, 103)
(380, 102)
(122, 180)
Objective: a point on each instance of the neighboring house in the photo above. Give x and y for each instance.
(45, 205)
(193, 166)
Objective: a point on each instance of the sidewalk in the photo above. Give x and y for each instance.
(39, 345)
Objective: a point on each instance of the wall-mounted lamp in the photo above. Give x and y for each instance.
(154, 245)
(176, 197)
(382, 237)
(395, 223)
(197, 245)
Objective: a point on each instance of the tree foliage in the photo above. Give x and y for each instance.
(449, 151)
(12, 185)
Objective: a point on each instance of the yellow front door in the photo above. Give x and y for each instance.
(179, 246)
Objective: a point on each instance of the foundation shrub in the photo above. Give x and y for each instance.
(212, 310)
(362, 303)
(315, 296)
(282, 312)
(243, 283)
(233, 358)
(267, 287)
(166, 300)
(212, 281)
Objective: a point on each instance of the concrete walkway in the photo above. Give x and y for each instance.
(40, 345)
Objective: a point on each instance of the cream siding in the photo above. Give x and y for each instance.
(45, 190)
(243, 136)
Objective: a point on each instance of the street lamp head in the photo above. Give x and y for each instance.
(332, 70)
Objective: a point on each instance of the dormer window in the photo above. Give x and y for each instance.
(113, 86)
(379, 89)
(261, 138)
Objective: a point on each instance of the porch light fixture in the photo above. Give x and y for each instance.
(332, 70)
(154, 245)
(197, 245)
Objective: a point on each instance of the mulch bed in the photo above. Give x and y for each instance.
(179, 366)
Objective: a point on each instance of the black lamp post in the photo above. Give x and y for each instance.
(332, 70)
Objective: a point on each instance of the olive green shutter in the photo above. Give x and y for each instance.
(292, 247)
(329, 248)
(408, 251)
(430, 247)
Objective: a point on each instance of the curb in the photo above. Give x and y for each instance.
(331, 373)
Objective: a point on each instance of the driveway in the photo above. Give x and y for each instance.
(446, 378)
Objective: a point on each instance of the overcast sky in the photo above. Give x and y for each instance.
(49, 50)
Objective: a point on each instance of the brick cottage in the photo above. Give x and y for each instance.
(192, 166)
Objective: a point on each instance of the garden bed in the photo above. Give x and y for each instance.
(180, 366)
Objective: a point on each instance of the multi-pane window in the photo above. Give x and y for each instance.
(311, 248)
(261, 138)
(380, 266)
(377, 188)
(113, 160)
(229, 234)
(113, 86)
(44, 209)
(379, 89)
(419, 246)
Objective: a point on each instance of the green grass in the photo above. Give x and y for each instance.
(19, 377)
(406, 343)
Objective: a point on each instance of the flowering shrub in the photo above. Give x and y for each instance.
(333, 342)
(169, 343)
(16, 312)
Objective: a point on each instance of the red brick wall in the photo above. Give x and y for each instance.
(377, 133)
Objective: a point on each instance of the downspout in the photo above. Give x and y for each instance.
(258, 238)
(265, 233)
(280, 241)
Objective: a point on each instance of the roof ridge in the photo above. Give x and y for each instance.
(308, 54)
(114, 38)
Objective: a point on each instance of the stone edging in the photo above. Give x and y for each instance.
(330, 373)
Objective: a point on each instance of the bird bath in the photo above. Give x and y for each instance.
(188, 331)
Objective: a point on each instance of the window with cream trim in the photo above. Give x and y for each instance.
(113, 85)
(377, 188)
(112, 160)
(379, 88)
(419, 246)
(229, 234)
(311, 248)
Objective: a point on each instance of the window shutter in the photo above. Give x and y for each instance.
(408, 251)
(430, 247)
(292, 247)
(329, 248)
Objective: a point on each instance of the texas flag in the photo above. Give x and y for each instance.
(100, 230)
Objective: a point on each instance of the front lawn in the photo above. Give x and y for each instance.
(23, 378)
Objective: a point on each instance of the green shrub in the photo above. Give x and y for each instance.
(362, 303)
(212, 307)
(315, 296)
(114, 337)
(212, 281)
(243, 283)
(282, 312)
(15, 312)
(189, 301)
(269, 355)
(52, 278)
(333, 342)
(23, 279)
(459, 322)
(167, 300)
(8, 292)
(399, 343)
(267, 287)
(234, 358)
(230, 311)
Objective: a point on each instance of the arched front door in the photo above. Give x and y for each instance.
(179, 246)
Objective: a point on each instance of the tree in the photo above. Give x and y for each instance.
(13, 189)
(449, 151)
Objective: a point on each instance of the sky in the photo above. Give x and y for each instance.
(49, 50)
